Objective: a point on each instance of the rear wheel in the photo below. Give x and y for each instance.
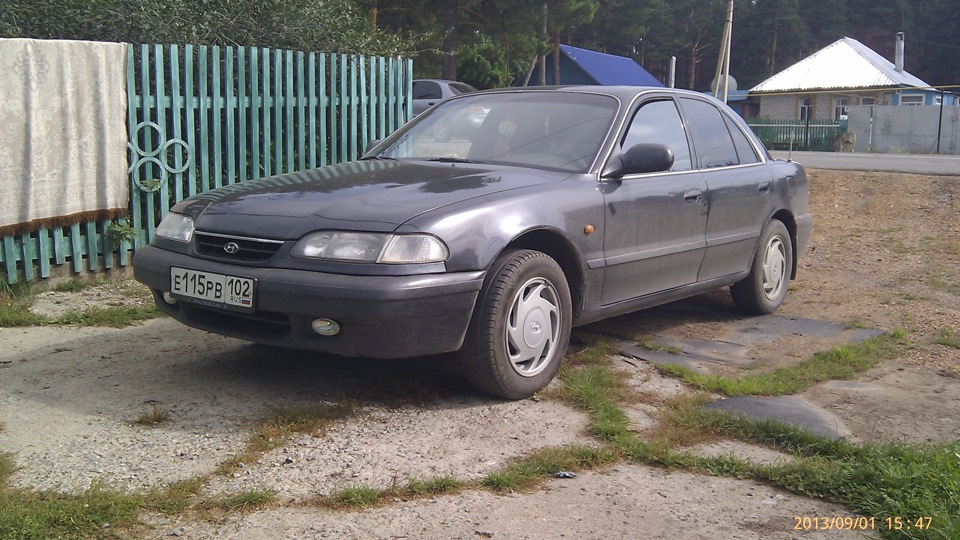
(765, 288)
(521, 326)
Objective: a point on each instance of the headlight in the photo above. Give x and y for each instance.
(371, 247)
(176, 227)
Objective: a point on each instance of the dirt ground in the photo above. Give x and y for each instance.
(885, 254)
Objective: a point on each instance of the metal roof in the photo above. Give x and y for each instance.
(609, 69)
(845, 63)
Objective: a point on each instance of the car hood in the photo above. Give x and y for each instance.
(376, 195)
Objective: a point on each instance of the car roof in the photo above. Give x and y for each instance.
(622, 92)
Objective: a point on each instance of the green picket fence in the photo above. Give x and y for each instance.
(203, 117)
(813, 135)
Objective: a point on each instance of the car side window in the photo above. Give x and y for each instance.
(426, 90)
(659, 122)
(745, 150)
(710, 135)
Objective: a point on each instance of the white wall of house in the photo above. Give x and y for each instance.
(822, 105)
(914, 130)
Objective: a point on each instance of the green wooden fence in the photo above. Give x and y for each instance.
(814, 135)
(202, 117)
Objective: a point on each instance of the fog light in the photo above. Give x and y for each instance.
(168, 298)
(325, 327)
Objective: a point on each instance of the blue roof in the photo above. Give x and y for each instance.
(609, 69)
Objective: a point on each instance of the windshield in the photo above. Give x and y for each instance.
(557, 130)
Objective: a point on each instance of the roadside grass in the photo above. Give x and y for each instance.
(362, 496)
(277, 427)
(16, 299)
(835, 364)
(114, 316)
(879, 481)
(153, 417)
(948, 338)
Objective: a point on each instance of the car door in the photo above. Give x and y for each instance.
(740, 187)
(654, 236)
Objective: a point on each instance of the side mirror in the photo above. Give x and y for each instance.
(641, 158)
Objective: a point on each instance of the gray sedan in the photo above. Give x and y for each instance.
(564, 206)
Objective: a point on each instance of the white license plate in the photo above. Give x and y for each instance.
(212, 287)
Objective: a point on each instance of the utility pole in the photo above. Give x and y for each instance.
(722, 80)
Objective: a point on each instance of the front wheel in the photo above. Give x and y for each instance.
(521, 326)
(764, 289)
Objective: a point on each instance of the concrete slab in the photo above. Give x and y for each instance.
(791, 410)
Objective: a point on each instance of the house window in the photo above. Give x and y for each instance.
(806, 109)
(911, 99)
(938, 100)
(840, 106)
(868, 101)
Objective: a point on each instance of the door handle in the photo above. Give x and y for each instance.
(764, 187)
(694, 196)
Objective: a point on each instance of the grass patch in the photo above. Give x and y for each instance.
(650, 345)
(941, 284)
(247, 500)
(153, 417)
(523, 474)
(176, 497)
(115, 316)
(948, 338)
(28, 515)
(15, 312)
(280, 425)
(358, 497)
(355, 497)
(836, 364)
(76, 285)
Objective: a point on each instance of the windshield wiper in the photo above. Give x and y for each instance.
(451, 159)
(378, 157)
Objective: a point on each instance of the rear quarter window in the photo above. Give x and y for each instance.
(711, 138)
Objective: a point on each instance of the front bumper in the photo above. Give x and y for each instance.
(379, 316)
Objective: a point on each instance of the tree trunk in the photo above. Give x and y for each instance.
(451, 15)
(772, 56)
(693, 66)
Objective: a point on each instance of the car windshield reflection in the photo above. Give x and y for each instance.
(552, 130)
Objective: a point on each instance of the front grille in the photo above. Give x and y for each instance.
(247, 249)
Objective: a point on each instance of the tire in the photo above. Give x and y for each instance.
(520, 327)
(763, 291)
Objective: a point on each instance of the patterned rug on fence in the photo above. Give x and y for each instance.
(63, 136)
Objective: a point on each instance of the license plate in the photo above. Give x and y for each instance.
(212, 287)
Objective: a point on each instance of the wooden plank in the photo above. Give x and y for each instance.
(189, 70)
(382, 98)
(362, 108)
(244, 109)
(408, 85)
(354, 113)
(176, 106)
(76, 248)
(147, 148)
(163, 202)
(45, 253)
(203, 142)
(217, 118)
(391, 94)
(60, 247)
(10, 259)
(28, 255)
(267, 104)
(255, 100)
(334, 102)
(278, 165)
(312, 106)
(324, 105)
(93, 261)
(301, 114)
(133, 118)
(107, 247)
(231, 110)
(288, 127)
(342, 133)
